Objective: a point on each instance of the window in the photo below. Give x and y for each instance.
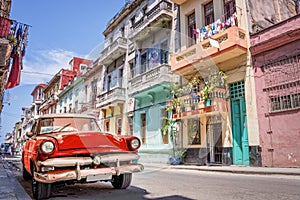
(94, 91)
(108, 82)
(164, 52)
(132, 20)
(229, 8)
(143, 62)
(83, 67)
(165, 136)
(106, 124)
(119, 126)
(194, 131)
(144, 10)
(76, 106)
(209, 13)
(282, 84)
(122, 29)
(120, 79)
(191, 26)
(130, 123)
(143, 126)
(132, 69)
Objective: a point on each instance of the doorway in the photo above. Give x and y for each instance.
(240, 146)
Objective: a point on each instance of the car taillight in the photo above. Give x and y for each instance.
(134, 144)
(47, 147)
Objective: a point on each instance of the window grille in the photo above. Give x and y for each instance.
(282, 83)
(237, 90)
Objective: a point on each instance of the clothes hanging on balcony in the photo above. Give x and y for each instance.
(18, 37)
(215, 27)
(14, 75)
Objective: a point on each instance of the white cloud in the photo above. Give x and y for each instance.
(41, 66)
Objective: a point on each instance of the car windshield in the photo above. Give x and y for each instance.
(67, 124)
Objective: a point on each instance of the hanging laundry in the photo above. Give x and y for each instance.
(213, 28)
(15, 72)
(195, 32)
(218, 25)
(232, 21)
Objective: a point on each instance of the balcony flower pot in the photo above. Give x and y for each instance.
(208, 102)
(174, 161)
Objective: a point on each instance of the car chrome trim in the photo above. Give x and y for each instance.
(79, 174)
(66, 161)
(74, 161)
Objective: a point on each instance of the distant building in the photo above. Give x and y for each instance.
(59, 82)
(37, 99)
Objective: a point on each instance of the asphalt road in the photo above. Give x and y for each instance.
(155, 183)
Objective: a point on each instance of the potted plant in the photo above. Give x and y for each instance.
(205, 94)
(213, 80)
(170, 127)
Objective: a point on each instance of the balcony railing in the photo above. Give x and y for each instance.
(114, 50)
(232, 42)
(157, 75)
(194, 104)
(113, 96)
(161, 11)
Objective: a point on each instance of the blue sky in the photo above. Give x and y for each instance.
(61, 29)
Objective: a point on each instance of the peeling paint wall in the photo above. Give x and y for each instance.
(270, 12)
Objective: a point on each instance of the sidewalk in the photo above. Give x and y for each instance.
(229, 169)
(10, 188)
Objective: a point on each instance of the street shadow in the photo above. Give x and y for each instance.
(104, 191)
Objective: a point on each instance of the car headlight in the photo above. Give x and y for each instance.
(47, 147)
(135, 143)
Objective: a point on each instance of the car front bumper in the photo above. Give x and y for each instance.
(80, 172)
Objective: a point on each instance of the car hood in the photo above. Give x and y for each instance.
(87, 140)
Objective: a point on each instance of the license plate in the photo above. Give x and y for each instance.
(99, 177)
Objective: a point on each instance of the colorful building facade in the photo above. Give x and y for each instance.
(276, 62)
(211, 39)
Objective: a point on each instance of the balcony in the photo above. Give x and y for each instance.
(233, 45)
(179, 2)
(155, 76)
(195, 105)
(155, 19)
(114, 96)
(52, 100)
(113, 51)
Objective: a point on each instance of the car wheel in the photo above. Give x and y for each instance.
(122, 181)
(26, 174)
(40, 190)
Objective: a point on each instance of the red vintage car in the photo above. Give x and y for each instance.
(70, 148)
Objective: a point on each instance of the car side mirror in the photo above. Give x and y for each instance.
(29, 134)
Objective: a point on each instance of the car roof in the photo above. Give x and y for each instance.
(64, 115)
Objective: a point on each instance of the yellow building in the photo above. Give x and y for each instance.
(211, 46)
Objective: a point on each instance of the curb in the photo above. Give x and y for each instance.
(240, 171)
(232, 170)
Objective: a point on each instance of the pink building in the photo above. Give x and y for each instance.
(276, 60)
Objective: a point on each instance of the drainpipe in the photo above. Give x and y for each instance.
(270, 132)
